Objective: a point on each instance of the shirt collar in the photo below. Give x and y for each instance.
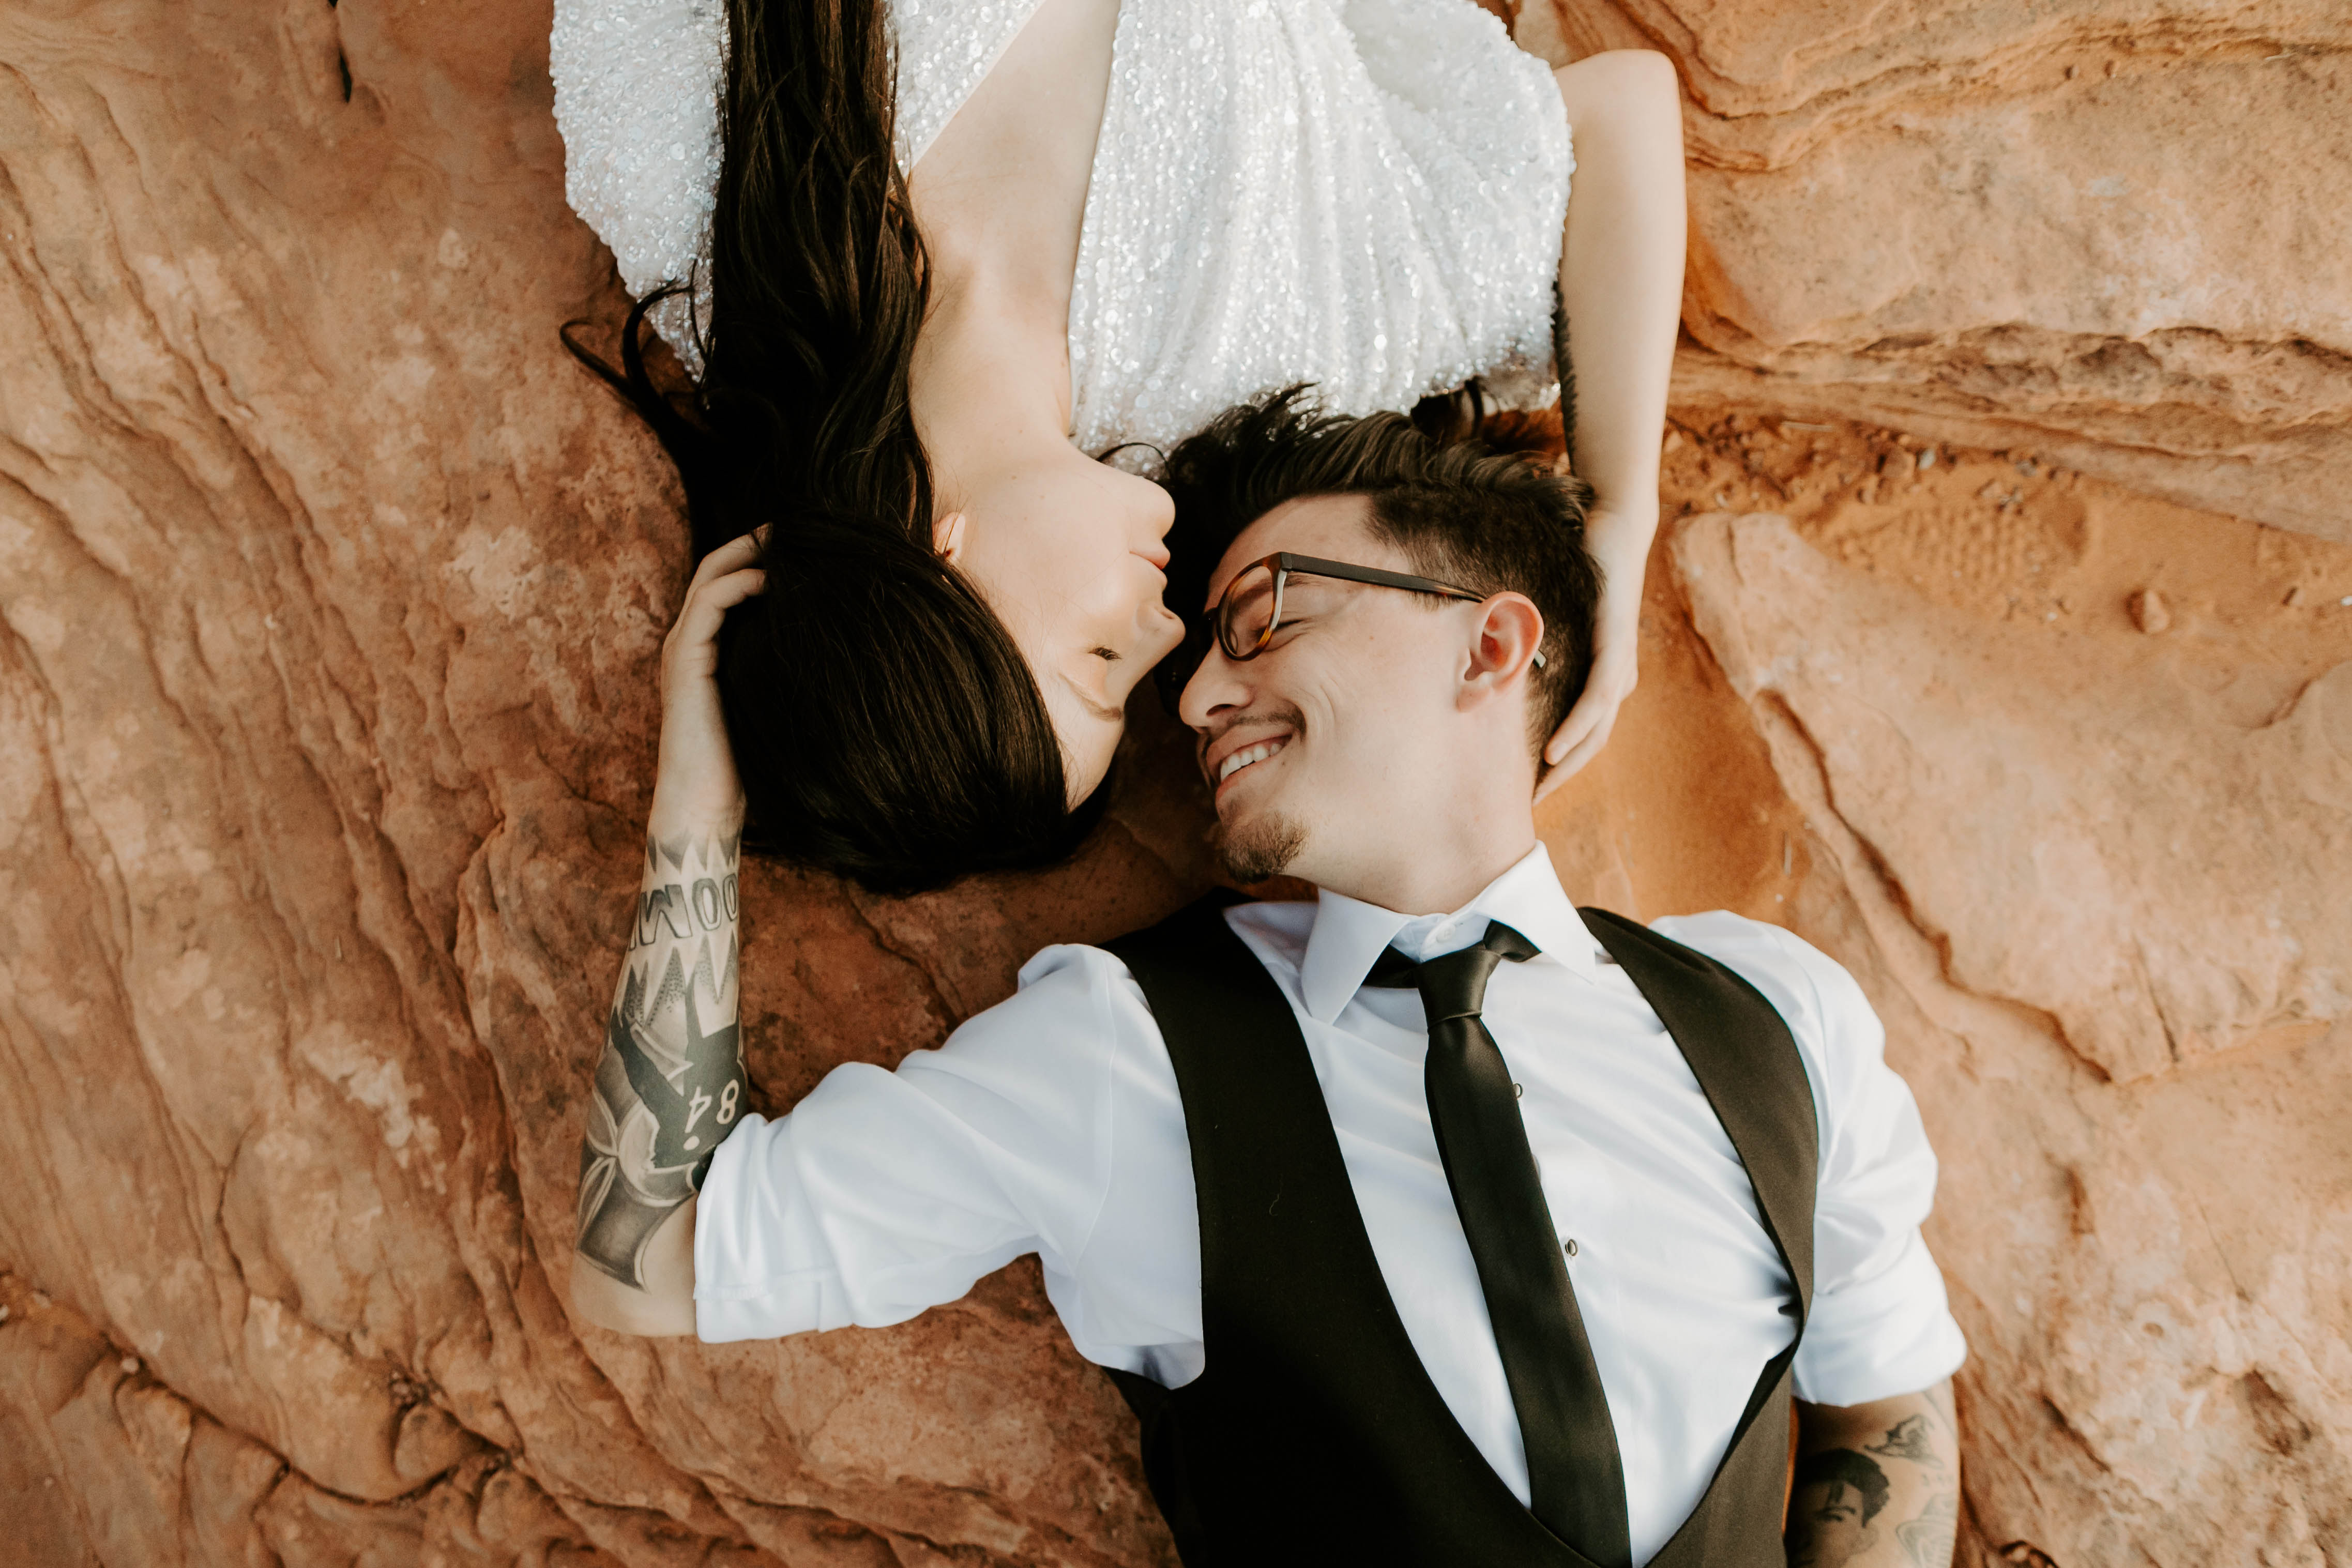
(1350, 935)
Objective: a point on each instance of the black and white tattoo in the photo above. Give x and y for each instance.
(1905, 1474)
(1927, 1541)
(1840, 1495)
(1907, 1439)
(670, 1083)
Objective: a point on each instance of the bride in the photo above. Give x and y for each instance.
(929, 262)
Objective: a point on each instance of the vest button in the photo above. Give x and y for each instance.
(1569, 1246)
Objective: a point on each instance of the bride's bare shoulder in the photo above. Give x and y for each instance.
(1006, 177)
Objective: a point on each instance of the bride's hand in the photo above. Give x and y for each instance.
(695, 786)
(1622, 548)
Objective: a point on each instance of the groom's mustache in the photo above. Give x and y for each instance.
(1232, 733)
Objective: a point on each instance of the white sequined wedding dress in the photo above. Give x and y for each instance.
(1366, 194)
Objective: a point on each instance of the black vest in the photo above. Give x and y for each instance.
(1315, 1436)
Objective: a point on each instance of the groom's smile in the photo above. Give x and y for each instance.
(1248, 741)
(1244, 757)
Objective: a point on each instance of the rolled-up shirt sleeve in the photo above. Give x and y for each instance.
(883, 1194)
(1880, 1325)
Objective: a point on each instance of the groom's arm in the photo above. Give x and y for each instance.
(1877, 1485)
(1877, 1471)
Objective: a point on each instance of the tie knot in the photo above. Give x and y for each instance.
(1454, 985)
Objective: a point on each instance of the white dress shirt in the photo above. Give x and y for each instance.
(1052, 1124)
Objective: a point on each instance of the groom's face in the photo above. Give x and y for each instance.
(1340, 733)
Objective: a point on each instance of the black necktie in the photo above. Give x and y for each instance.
(1576, 1481)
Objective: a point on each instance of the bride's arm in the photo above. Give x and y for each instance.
(1620, 282)
(670, 1079)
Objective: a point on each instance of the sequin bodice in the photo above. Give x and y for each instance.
(1366, 194)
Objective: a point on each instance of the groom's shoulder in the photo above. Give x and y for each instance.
(1070, 990)
(1276, 931)
(1724, 936)
(1813, 992)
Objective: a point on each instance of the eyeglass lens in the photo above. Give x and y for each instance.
(1250, 611)
(1243, 624)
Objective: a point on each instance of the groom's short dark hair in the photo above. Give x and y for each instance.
(1460, 512)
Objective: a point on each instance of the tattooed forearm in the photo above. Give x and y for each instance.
(669, 1085)
(1878, 1485)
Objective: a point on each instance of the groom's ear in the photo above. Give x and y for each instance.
(947, 538)
(1503, 644)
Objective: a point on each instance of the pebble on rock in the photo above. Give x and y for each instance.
(2149, 613)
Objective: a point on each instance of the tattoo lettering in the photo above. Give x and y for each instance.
(669, 1085)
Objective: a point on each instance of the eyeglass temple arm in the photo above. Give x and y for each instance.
(1348, 571)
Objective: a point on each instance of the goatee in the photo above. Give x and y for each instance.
(1259, 851)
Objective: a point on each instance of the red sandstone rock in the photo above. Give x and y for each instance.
(2114, 231)
(2087, 877)
(2127, 1033)
(332, 590)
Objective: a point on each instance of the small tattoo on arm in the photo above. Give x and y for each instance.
(1927, 1541)
(1840, 1493)
(669, 1085)
(1908, 1440)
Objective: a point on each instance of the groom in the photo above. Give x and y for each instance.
(1434, 1221)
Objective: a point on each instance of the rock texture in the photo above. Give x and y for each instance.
(2082, 866)
(329, 591)
(2118, 230)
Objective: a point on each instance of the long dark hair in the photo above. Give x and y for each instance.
(884, 725)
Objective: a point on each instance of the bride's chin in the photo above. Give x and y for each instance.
(1084, 776)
